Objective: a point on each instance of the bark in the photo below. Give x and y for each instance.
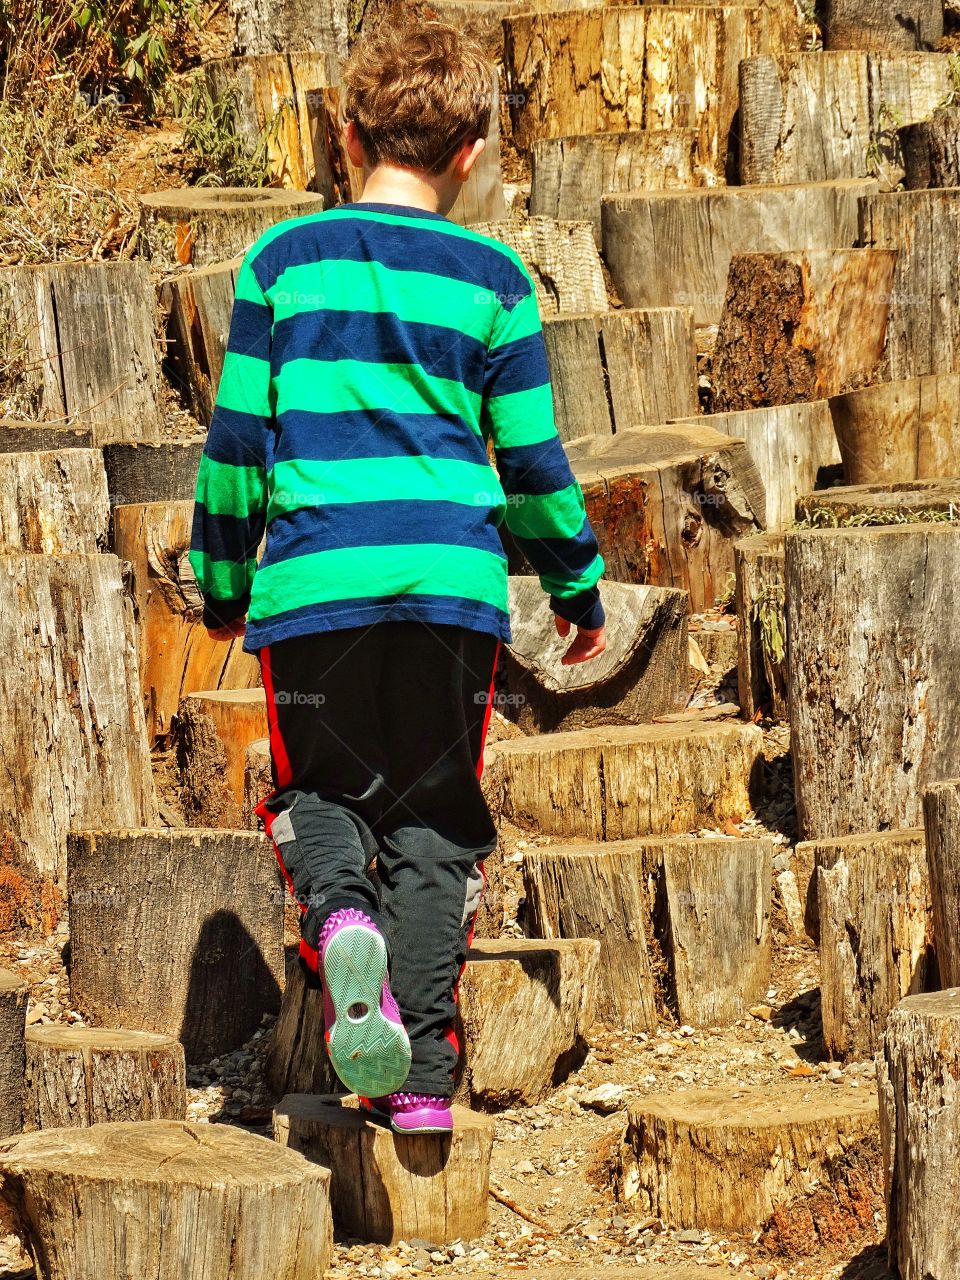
(883, 503)
(53, 503)
(196, 226)
(257, 785)
(561, 257)
(386, 1188)
(78, 1076)
(153, 472)
(941, 820)
(198, 305)
(273, 26)
(137, 1198)
(14, 996)
(178, 932)
(761, 626)
(931, 150)
(297, 1060)
(213, 731)
(882, 24)
(25, 437)
(899, 431)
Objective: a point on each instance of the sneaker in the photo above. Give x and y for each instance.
(365, 1036)
(412, 1112)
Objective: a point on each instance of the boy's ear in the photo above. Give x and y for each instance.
(354, 146)
(467, 157)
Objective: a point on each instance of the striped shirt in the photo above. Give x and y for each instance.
(375, 351)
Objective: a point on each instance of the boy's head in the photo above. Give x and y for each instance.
(418, 97)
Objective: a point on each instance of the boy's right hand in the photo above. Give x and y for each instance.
(229, 632)
(588, 644)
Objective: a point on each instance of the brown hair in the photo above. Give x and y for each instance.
(415, 93)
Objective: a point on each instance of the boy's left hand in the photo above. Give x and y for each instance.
(228, 632)
(587, 645)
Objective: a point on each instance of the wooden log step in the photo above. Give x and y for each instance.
(14, 996)
(643, 672)
(42, 437)
(176, 931)
(194, 226)
(214, 728)
(876, 935)
(53, 503)
(85, 334)
(78, 1076)
(432, 1186)
(139, 1197)
(561, 257)
(668, 503)
(941, 821)
(896, 502)
(264, 26)
(877, 24)
(695, 911)
(257, 785)
(725, 1159)
(198, 305)
(864, 607)
(899, 431)
(158, 471)
(931, 152)
(809, 117)
(297, 1059)
(791, 444)
(762, 669)
(919, 1121)
(801, 325)
(673, 248)
(615, 370)
(75, 747)
(621, 781)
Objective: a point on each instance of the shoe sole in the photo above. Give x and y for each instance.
(370, 1054)
(426, 1128)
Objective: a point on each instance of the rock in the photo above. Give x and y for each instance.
(606, 1099)
(525, 1166)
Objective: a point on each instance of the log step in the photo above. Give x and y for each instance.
(214, 729)
(427, 1185)
(14, 996)
(257, 781)
(899, 431)
(53, 503)
(138, 1198)
(41, 437)
(562, 259)
(150, 471)
(853, 24)
(891, 503)
(760, 594)
(198, 305)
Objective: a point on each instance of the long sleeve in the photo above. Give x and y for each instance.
(545, 508)
(231, 497)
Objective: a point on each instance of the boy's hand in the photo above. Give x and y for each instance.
(228, 632)
(588, 644)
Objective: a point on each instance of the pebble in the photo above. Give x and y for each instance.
(835, 1075)
(692, 1235)
(762, 1011)
(606, 1098)
(525, 1166)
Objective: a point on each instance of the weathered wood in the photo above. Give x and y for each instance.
(561, 257)
(931, 150)
(673, 248)
(78, 1076)
(761, 626)
(668, 504)
(876, 935)
(899, 431)
(872, 668)
(75, 746)
(642, 673)
(176, 931)
(918, 1074)
(198, 305)
(726, 1158)
(297, 1059)
(882, 24)
(213, 730)
(14, 995)
(891, 503)
(138, 1198)
(801, 326)
(82, 335)
(271, 26)
(53, 503)
(941, 821)
(41, 437)
(153, 472)
(257, 785)
(431, 1186)
(195, 226)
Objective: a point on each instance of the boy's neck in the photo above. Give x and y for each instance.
(389, 184)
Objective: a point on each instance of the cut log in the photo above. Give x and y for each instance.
(526, 1007)
(176, 931)
(725, 1159)
(257, 785)
(297, 1059)
(791, 444)
(931, 150)
(155, 472)
(873, 681)
(809, 117)
(82, 337)
(14, 995)
(78, 1076)
(882, 24)
(53, 503)
(213, 730)
(941, 821)
(176, 656)
(876, 935)
(673, 248)
(271, 26)
(642, 673)
(899, 431)
(561, 257)
(761, 626)
(75, 745)
(41, 437)
(918, 1074)
(432, 1186)
(137, 1198)
(903, 502)
(621, 369)
(195, 226)
(668, 504)
(198, 305)
(801, 326)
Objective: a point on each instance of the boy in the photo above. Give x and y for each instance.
(375, 349)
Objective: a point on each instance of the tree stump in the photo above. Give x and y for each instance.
(642, 673)
(53, 503)
(266, 26)
(667, 505)
(198, 305)
(931, 150)
(432, 1186)
(941, 820)
(153, 472)
(257, 785)
(78, 1076)
(899, 431)
(761, 626)
(880, 24)
(41, 437)
(918, 1074)
(214, 729)
(562, 259)
(178, 932)
(801, 326)
(194, 226)
(149, 1197)
(297, 1059)
(873, 695)
(14, 995)
(74, 733)
(891, 503)
(725, 1159)
(83, 333)
(660, 253)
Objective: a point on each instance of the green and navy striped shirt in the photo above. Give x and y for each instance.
(374, 352)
